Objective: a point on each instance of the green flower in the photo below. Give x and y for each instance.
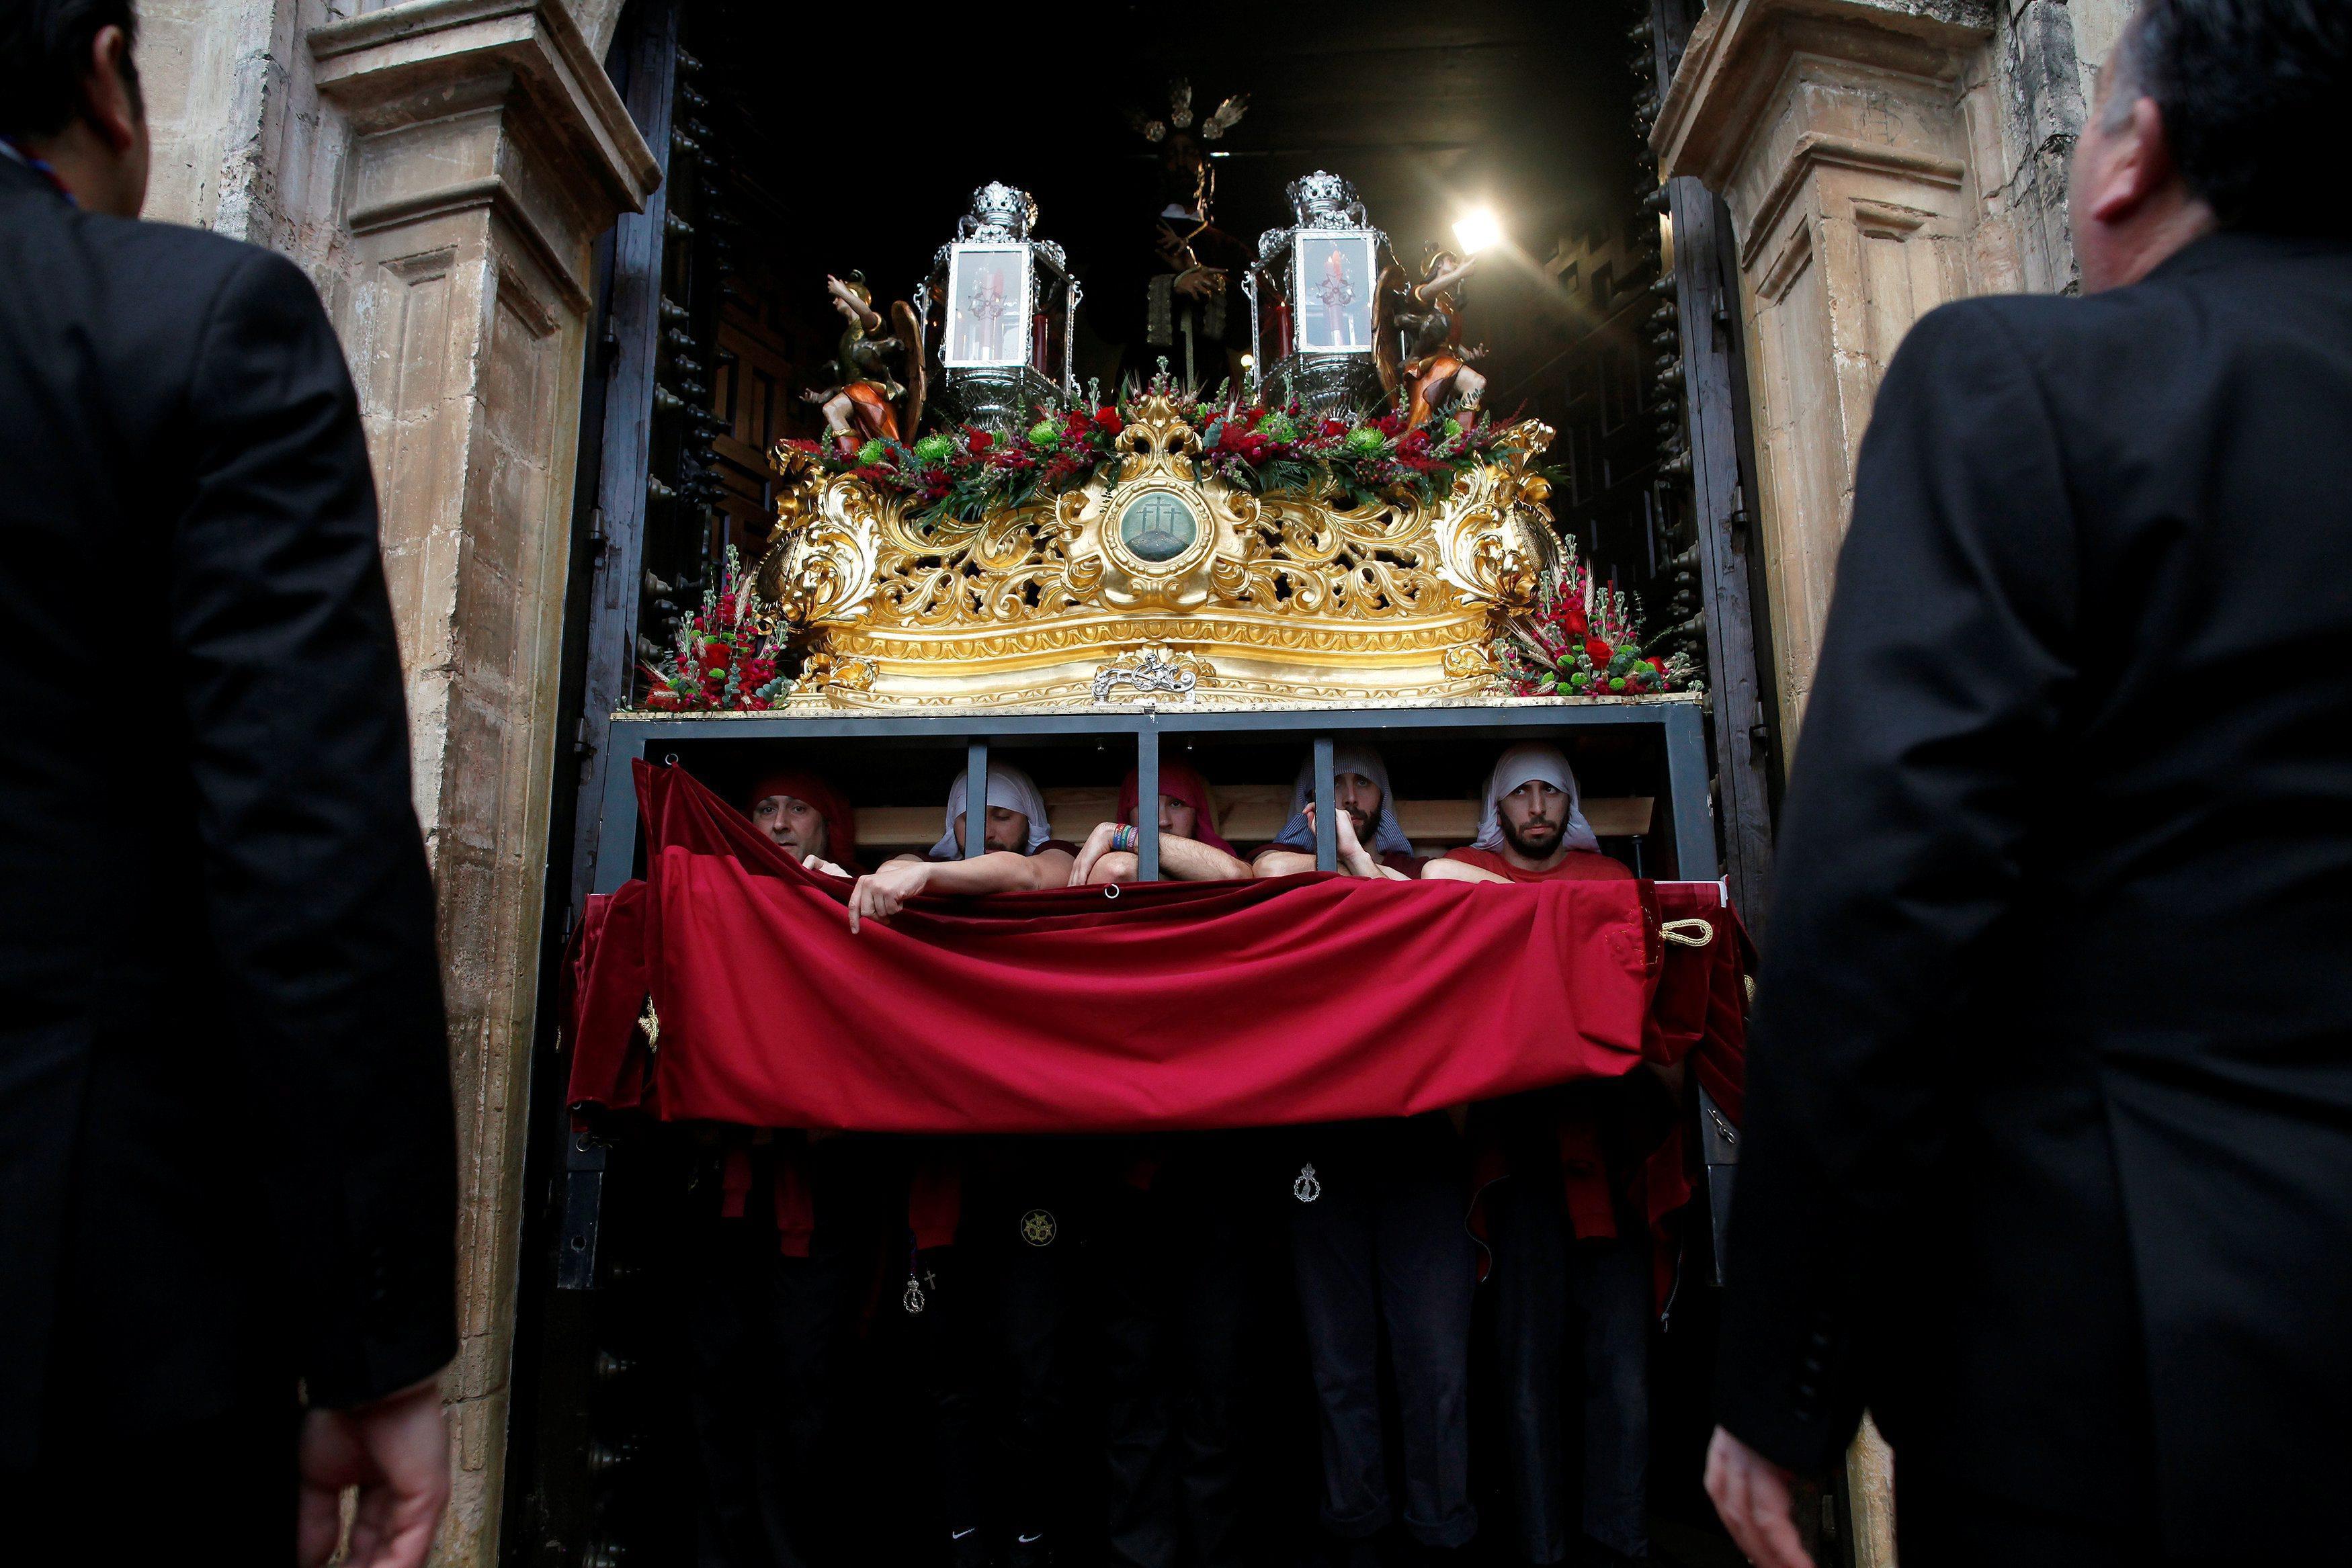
(931, 448)
(1278, 427)
(1365, 439)
(1453, 429)
(1617, 684)
(1580, 680)
(1046, 433)
(873, 452)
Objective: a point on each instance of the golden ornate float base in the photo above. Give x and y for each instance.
(1153, 584)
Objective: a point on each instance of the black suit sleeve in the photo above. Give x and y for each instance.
(1948, 653)
(316, 889)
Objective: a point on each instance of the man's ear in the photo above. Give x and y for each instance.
(108, 103)
(2139, 164)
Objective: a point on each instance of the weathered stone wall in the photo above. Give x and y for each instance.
(1879, 157)
(441, 167)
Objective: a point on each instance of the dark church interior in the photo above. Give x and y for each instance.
(815, 142)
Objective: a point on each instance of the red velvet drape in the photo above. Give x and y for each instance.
(1175, 1005)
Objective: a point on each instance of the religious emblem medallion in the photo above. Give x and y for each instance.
(1158, 526)
(1038, 1228)
(1308, 1187)
(912, 1298)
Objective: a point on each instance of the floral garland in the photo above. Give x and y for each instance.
(968, 472)
(725, 659)
(1583, 639)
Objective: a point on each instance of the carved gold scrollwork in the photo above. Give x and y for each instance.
(1393, 597)
(1156, 441)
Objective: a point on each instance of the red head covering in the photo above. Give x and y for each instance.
(840, 823)
(1183, 784)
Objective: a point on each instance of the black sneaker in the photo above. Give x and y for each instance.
(1030, 1551)
(969, 1550)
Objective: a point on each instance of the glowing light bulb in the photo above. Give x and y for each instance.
(1478, 230)
(1248, 361)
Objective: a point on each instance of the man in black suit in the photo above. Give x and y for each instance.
(227, 1162)
(2048, 1150)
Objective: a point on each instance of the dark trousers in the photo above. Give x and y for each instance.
(766, 1337)
(1173, 1273)
(994, 1333)
(1572, 1335)
(1384, 1249)
(221, 1490)
(1938, 1525)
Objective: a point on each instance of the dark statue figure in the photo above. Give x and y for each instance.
(1193, 314)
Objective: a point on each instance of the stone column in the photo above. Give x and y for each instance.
(488, 149)
(1879, 157)
(1842, 135)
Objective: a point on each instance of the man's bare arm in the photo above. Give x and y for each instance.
(1000, 871)
(1354, 859)
(1444, 870)
(883, 893)
(1280, 863)
(1180, 860)
(1190, 859)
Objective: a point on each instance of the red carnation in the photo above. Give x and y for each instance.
(1108, 420)
(981, 441)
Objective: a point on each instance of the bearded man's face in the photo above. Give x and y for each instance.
(1533, 817)
(1361, 799)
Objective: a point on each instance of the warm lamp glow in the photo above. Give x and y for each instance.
(1479, 230)
(1248, 361)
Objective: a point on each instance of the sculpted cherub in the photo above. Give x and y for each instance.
(867, 400)
(1419, 338)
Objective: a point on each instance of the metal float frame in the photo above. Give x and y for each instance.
(1680, 723)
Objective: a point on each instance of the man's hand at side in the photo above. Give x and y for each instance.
(396, 1451)
(1751, 1495)
(880, 895)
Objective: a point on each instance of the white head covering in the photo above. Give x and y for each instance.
(1516, 767)
(1007, 786)
(1387, 836)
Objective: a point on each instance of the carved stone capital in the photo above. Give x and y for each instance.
(461, 104)
(1750, 62)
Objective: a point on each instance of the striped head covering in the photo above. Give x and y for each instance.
(1386, 837)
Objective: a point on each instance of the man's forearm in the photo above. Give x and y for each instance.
(1188, 859)
(998, 871)
(1281, 863)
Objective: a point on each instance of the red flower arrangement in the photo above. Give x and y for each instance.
(968, 472)
(1583, 639)
(723, 661)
